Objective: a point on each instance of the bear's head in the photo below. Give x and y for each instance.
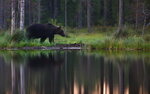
(59, 31)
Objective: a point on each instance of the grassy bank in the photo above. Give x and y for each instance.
(101, 38)
(100, 41)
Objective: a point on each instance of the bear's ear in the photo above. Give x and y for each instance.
(59, 27)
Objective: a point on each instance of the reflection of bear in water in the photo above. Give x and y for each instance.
(44, 61)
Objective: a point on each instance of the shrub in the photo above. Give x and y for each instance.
(18, 36)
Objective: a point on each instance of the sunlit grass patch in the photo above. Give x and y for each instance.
(102, 41)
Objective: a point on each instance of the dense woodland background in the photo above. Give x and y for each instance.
(75, 13)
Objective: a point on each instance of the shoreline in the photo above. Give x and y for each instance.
(56, 47)
(70, 48)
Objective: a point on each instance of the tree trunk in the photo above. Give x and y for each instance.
(1, 14)
(39, 11)
(17, 14)
(80, 14)
(137, 5)
(13, 16)
(6, 13)
(59, 7)
(121, 16)
(109, 15)
(89, 15)
(55, 8)
(101, 8)
(144, 24)
(51, 8)
(22, 4)
(30, 13)
(105, 12)
(65, 15)
(27, 13)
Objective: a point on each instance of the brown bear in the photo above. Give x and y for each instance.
(44, 31)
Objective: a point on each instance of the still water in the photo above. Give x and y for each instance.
(74, 72)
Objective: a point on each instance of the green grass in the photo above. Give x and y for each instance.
(18, 39)
(101, 38)
(101, 41)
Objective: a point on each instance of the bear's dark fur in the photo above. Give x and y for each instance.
(44, 31)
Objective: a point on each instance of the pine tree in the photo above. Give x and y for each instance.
(13, 16)
(121, 17)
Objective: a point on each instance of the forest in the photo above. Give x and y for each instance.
(117, 24)
(80, 46)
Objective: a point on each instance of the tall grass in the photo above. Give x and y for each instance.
(18, 39)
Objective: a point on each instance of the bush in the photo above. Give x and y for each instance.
(18, 36)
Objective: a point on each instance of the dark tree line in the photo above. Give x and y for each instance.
(76, 13)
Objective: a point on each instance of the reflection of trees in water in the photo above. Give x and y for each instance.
(137, 77)
(20, 74)
(71, 72)
(5, 77)
(13, 81)
(116, 76)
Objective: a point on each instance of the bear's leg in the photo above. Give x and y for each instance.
(51, 39)
(43, 39)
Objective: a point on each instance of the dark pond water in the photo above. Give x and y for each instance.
(74, 72)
